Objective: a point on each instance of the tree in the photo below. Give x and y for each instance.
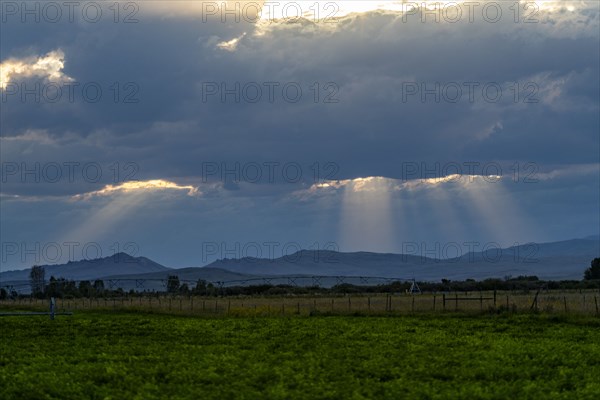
(172, 284)
(184, 289)
(37, 279)
(200, 288)
(85, 288)
(54, 288)
(593, 272)
(99, 286)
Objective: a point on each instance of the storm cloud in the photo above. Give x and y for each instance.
(308, 130)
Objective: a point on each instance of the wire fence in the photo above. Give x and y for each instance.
(552, 302)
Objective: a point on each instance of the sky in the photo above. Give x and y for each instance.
(188, 131)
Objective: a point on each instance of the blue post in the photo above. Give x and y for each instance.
(52, 308)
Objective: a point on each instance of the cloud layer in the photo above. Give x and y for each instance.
(353, 125)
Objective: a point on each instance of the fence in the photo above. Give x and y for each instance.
(570, 302)
(52, 313)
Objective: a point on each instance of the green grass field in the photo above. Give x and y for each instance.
(150, 356)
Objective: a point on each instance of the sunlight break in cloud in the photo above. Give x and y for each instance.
(379, 183)
(40, 136)
(48, 67)
(137, 187)
(232, 44)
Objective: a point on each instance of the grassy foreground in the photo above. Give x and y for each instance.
(146, 356)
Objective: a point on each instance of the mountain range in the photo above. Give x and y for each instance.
(551, 261)
(561, 260)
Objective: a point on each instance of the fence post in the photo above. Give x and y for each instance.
(413, 304)
(456, 302)
(565, 301)
(434, 302)
(369, 303)
(480, 302)
(52, 308)
(596, 301)
(494, 298)
(444, 301)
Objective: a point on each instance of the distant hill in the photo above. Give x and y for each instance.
(117, 264)
(553, 261)
(549, 261)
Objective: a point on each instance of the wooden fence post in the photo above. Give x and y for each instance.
(444, 301)
(494, 298)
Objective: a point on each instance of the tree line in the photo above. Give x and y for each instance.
(65, 288)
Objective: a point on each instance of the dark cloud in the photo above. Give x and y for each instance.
(364, 123)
